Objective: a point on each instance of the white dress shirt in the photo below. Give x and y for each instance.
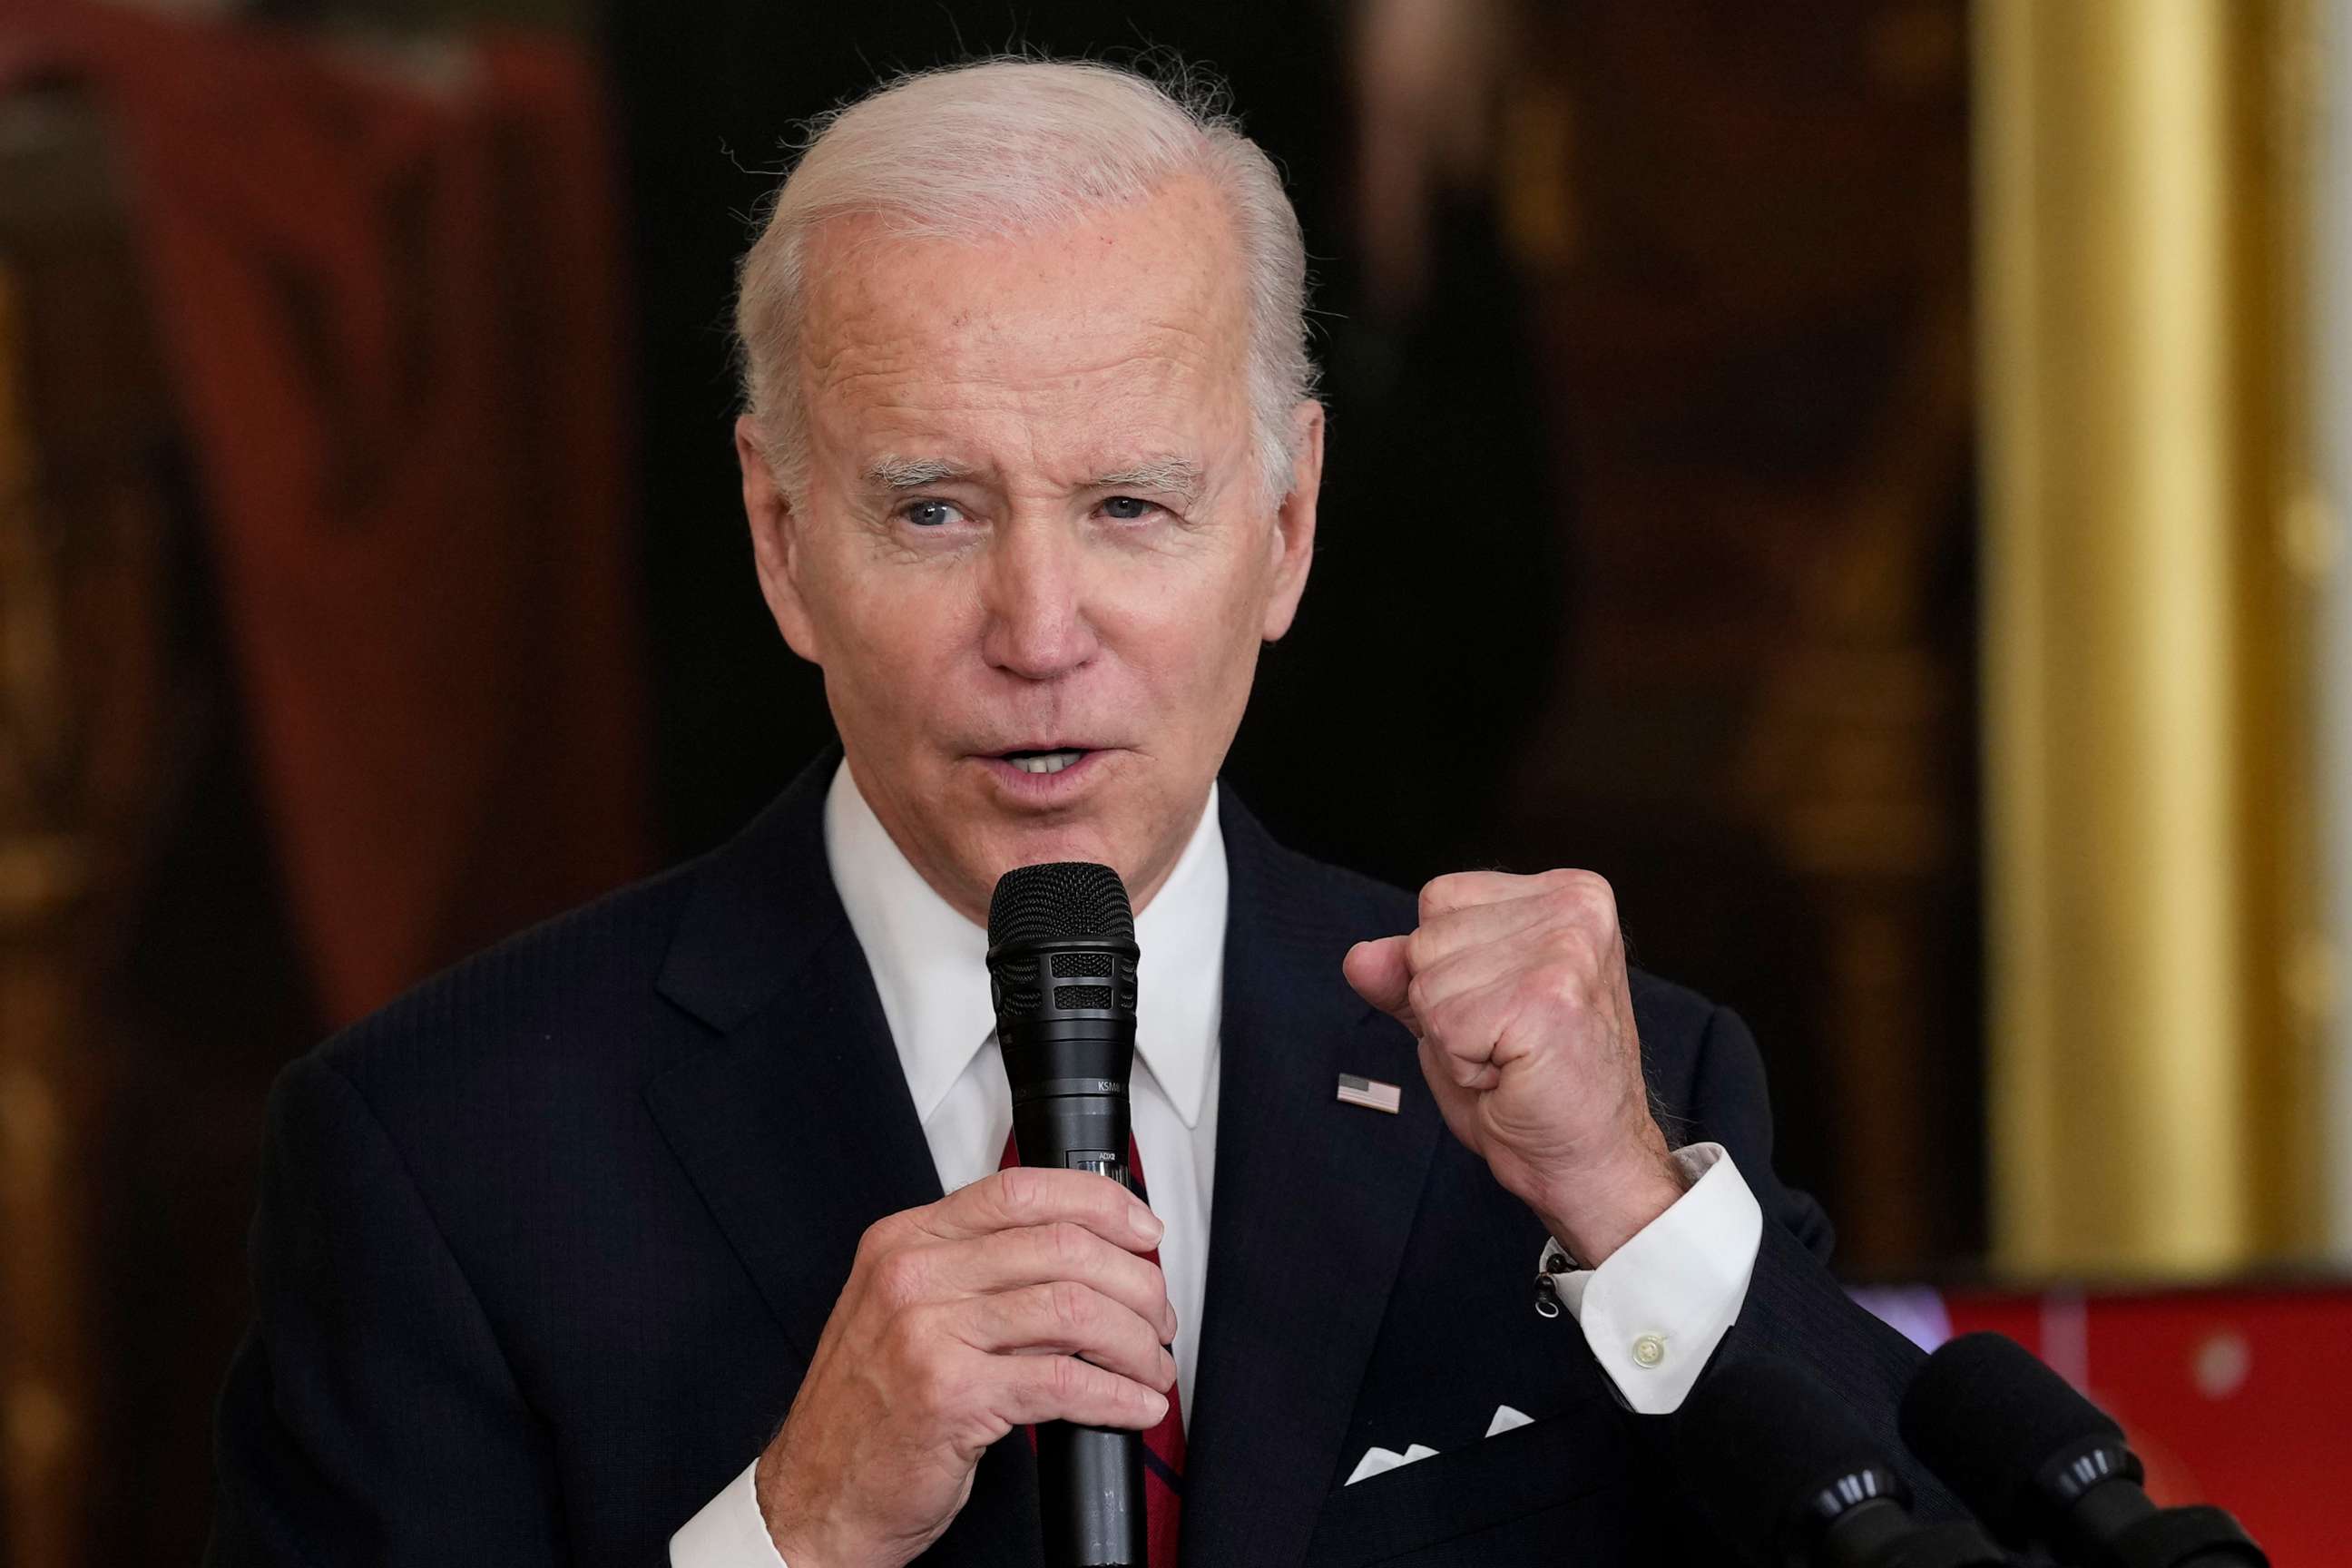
(1653, 1312)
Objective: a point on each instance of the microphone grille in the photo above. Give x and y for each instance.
(1986, 1415)
(1060, 901)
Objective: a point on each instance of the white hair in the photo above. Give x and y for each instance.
(1012, 146)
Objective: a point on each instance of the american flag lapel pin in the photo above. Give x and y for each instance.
(1369, 1092)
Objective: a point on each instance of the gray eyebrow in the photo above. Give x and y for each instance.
(1170, 476)
(913, 473)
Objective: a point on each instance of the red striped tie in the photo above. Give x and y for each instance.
(1163, 1445)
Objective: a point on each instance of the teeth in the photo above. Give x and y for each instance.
(1045, 761)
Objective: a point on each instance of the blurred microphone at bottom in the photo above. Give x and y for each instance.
(2046, 1467)
(1791, 1479)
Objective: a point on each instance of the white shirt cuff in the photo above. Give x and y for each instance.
(1654, 1311)
(730, 1531)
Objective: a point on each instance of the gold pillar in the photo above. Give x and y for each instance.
(2147, 819)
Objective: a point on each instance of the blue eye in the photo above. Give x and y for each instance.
(1128, 509)
(928, 513)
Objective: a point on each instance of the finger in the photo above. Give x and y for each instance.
(1040, 1253)
(1030, 1388)
(1451, 931)
(1063, 1318)
(1465, 1031)
(1378, 970)
(1465, 969)
(1466, 890)
(1449, 1077)
(1032, 1195)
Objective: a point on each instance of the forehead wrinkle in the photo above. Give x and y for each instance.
(1055, 368)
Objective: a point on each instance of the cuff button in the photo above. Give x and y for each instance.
(1649, 1351)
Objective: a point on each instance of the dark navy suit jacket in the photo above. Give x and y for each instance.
(543, 1248)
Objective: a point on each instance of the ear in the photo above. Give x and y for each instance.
(1293, 541)
(775, 551)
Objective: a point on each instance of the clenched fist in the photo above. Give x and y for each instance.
(1515, 988)
(1016, 1299)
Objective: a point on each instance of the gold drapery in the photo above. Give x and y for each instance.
(2156, 984)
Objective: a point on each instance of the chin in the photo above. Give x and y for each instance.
(1034, 846)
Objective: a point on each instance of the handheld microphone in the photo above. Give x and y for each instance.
(1061, 969)
(1791, 1479)
(2041, 1463)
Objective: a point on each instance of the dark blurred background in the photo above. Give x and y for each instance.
(376, 583)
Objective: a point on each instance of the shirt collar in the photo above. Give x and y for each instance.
(930, 963)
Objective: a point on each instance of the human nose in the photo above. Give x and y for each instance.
(1035, 596)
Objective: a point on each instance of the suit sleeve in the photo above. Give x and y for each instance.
(1795, 1309)
(369, 1417)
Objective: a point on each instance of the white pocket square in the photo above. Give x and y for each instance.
(1381, 1461)
(1505, 1418)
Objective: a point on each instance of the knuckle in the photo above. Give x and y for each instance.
(876, 1243)
(901, 1278)
(1558, 987)
(1065, 1244)
(1070, 1305)
(1437, 894)
(1422, 998)
(1594, 896)
(1107, 1203)
(1019, 1192)
(1581, 895)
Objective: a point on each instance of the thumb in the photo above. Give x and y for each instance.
(1378, 970)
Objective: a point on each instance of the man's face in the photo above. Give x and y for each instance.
(1034, 535)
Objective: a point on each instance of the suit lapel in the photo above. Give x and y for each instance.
(794, 1123)
(1314, 1202)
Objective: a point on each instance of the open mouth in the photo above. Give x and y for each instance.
(1044, 761)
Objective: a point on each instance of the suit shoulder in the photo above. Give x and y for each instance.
(577, 977)
(1382, 908)
(1666, 1011)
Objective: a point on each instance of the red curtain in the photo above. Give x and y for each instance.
(386, 282)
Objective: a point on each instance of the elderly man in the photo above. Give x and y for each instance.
(630, 1235)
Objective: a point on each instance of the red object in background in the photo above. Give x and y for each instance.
(2237, 1397)
(386, 282)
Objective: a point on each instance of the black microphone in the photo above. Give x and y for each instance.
(2041, 1463)
(1061, 968)
(1791, 1477)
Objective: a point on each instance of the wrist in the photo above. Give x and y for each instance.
(1594, 1214)
(798, 1538)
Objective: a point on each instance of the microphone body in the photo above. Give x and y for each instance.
(1791, 1479)
(1061, 965)
(2041, 1463)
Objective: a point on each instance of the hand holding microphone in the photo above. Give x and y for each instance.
(1021, 1299)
